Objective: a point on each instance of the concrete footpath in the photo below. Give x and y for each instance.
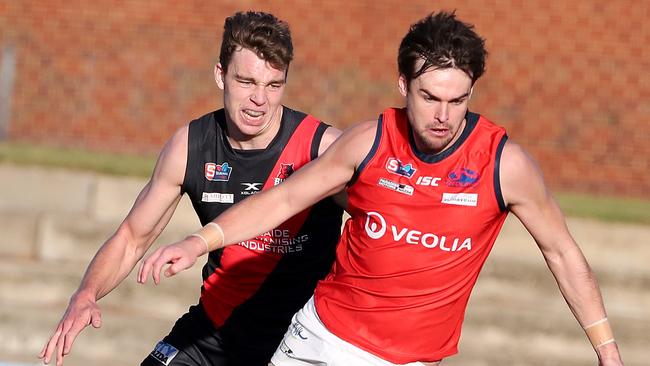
(52, 221)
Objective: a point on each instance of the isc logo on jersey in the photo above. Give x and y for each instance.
(395, 166)
(217, 172)
(428, 181)
(376, 227)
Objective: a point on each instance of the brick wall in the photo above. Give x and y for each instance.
(568, 79)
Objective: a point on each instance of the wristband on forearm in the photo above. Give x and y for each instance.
(211, 235)
(599, 333)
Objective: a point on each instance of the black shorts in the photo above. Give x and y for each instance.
(194, 341)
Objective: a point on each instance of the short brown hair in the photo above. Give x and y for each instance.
(259, 32)
(442, 41)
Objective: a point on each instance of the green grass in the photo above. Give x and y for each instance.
(619, 209)
(574, 204)
(76, 159)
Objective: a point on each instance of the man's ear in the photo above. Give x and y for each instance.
(402, 85)
(219, 76)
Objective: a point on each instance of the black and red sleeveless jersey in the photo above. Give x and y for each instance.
(251, 289)
(421, 227)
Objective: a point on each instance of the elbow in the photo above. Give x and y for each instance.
(135, 245)
(569, 261)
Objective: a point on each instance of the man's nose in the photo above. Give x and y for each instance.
(259, 95)
(442, 113)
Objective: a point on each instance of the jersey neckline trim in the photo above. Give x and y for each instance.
(220, 119)
(471, 121)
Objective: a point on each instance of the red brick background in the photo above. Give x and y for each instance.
(569, 79)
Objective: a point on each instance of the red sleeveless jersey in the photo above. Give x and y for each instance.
(251, 289)
(246, 266)
(421, 228)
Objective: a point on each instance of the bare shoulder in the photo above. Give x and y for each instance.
(514, 158)
(329, 136)
(520, 176)
(363, 132)
(356, 141)
(173, 158)
(528, 198)
(178, 142)
(356, 131)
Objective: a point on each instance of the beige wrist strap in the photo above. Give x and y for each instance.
(599, 333)
(212, 235)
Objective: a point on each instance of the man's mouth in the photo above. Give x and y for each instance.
(439, 131)
(253, 113)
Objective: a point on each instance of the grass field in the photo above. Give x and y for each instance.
(106, 163)
(618, 209)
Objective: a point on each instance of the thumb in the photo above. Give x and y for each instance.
(176, 267)
(96, 318)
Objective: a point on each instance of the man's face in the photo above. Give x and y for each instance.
(436, 104)
(253, 90)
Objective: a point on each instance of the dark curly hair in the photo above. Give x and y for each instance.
(259, 32)
(442, 41)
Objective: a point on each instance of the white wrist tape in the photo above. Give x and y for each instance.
(205, 241)
(599, 333)
(212, 236)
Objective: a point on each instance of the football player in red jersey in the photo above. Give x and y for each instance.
(429, 187)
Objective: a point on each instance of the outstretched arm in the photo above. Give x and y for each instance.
(322, 177)
(529, 199)
(120, 253)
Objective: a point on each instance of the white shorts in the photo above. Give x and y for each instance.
(308, 342)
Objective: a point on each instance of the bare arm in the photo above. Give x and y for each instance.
(149, 215)
(120, 253)
(330, 135)
(528, 198)
(321, 178)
